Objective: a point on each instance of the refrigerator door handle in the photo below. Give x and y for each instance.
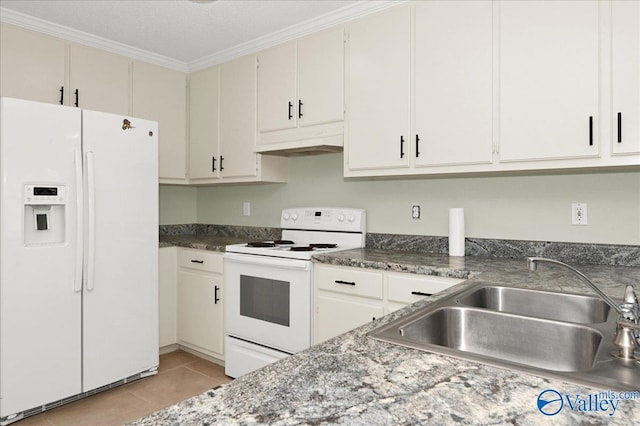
(91, 221)
(77, 282)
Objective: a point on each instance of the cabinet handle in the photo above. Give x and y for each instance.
(419, 293)
(300, 108)
(590, 130)
(417, 146)
(290, 114)
(61, 95)
(221, 159)
(77, 96)
(619, 127)
(401, 146)
(373, 318)
(345, 282)
(216, 299)
(213, 164)
(197, 261)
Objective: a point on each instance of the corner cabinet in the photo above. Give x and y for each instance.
(346, 298)
(301, 92)
(199, 309)
(223, 133)
(160, 94)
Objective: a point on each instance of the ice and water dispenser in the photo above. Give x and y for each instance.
(44, 214)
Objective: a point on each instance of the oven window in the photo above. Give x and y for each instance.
(264, 299)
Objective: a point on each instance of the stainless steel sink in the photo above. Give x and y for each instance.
(522, 330)
(513, 338)
(539, 304)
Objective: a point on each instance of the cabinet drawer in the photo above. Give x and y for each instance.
(350, 281)
(201, 260)
(409, 288)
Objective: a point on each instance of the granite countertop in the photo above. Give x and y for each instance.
(353, 379)
(200, 242)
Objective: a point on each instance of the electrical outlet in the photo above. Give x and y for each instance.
(579, 213)
(415, 211)
(246, 208)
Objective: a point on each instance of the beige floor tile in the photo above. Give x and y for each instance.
(182, 375)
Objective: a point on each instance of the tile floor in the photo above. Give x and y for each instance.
(181, 375)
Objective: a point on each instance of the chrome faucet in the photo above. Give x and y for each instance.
(627, 337)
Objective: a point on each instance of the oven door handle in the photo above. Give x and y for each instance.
(249, 259)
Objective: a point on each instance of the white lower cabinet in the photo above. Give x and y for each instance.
(191, 311)
(346, 298)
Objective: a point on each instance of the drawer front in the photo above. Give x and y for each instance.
(409, 288)
(356, 282)
(200, 260)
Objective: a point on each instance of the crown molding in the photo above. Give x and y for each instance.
(328, 20)
(331, 19)
(18, 19)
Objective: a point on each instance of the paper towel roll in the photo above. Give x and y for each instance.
(456, 232)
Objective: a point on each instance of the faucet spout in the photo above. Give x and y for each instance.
(532, 264)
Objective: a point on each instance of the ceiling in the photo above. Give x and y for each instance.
(184, 31)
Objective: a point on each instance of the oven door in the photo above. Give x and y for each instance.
(268, 301)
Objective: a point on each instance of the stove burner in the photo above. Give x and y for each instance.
(261, 244)
(301, 248)
(283, 242)
(323, 245)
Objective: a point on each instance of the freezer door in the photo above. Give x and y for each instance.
(40, 279)
(120, 301)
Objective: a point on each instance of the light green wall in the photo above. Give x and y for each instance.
(506, 207)
(178, 205)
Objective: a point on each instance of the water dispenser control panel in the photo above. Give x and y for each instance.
(36, 195)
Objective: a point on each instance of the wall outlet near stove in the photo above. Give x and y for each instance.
(579, 213)
(415, 211)
(246, 208)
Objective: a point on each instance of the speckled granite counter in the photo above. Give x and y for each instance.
(353, 379)
(200, 242)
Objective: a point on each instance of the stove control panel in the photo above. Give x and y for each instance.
(324, 219)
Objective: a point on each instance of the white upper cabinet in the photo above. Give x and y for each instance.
(549, 80)
(277, 99)
(321, 78)
(32, 65)
(379, 74)
(47, 69)
(99, 80)
(301, 93)
(453, 83)
(625, 50)
(203, 124)
(159, 94)
(238, 118)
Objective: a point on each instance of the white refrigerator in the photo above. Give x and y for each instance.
(78, 253)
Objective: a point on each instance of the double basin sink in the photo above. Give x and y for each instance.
(556, 335)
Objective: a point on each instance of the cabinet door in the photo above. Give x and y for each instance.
(32, 65)
(453, 83)
(199, 311)
(338, 315)
(159, 94)
(101, 79)
(549, 81)
(203, 124)
(378, 91)
(277, 101)
(626, 76)
(321, 78)
(238, 118)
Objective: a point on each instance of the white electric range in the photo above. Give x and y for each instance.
(269, 285)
